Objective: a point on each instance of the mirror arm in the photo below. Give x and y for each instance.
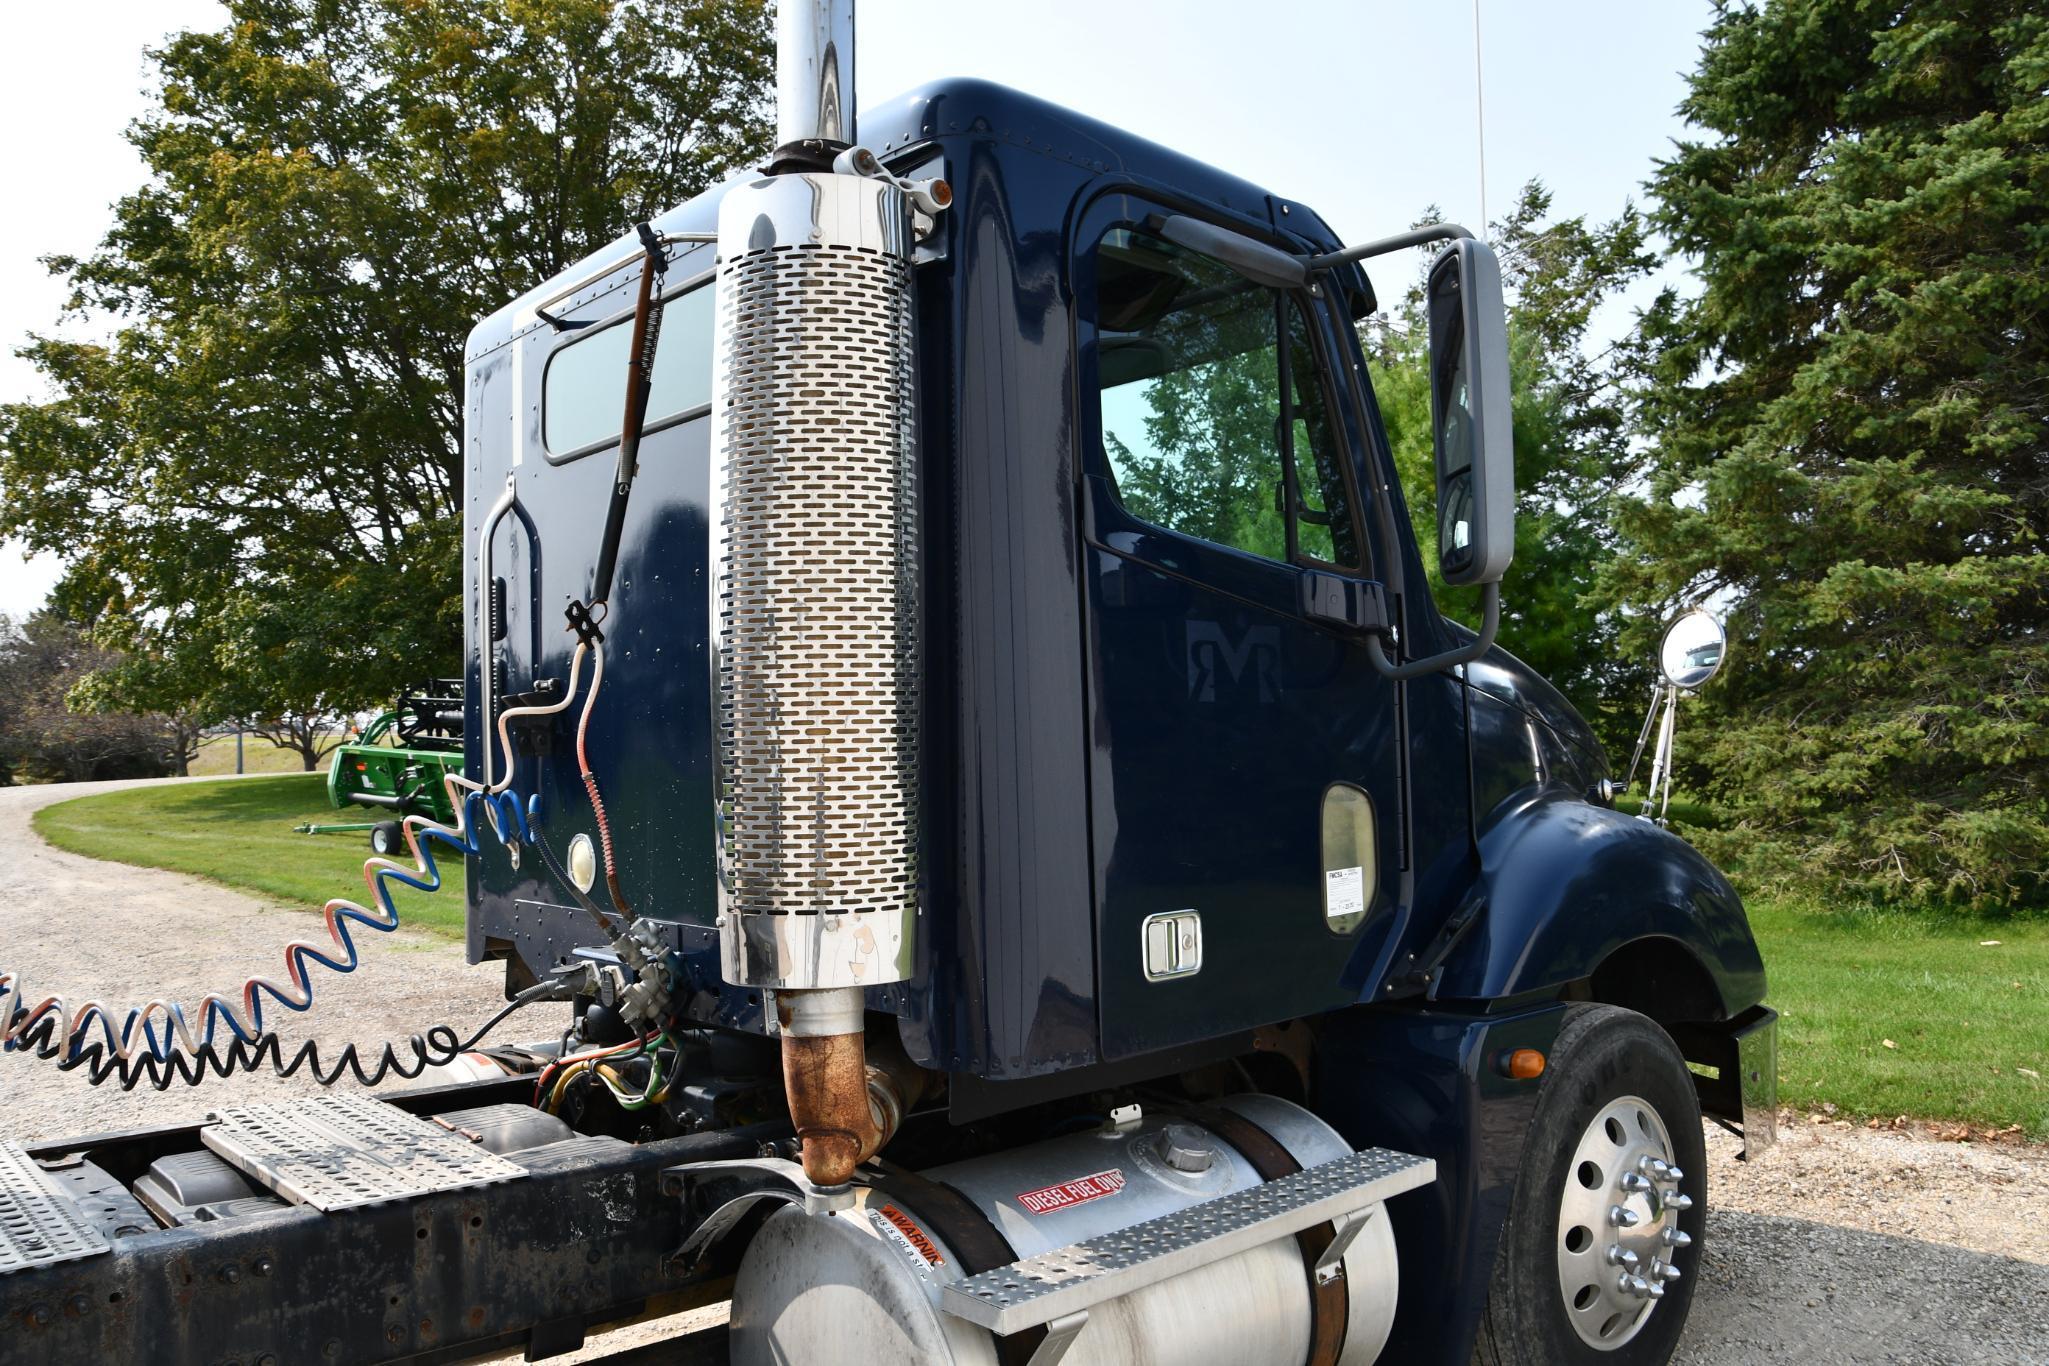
(1490, 622)
(1436, 232)
(1251, 258)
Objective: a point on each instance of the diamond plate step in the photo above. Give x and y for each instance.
(339, 1152)
(1052, 1285)
(38, 1226)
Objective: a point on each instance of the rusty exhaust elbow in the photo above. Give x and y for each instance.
(826, 1080)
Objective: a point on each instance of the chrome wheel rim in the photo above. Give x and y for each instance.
(1618, 1223)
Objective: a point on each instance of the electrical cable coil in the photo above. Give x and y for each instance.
(134, 1050)
(437, 1046)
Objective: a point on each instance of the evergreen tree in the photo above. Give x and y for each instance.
(1849, 451)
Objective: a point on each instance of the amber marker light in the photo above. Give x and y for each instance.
(1523, 1064)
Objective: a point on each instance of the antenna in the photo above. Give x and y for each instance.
(1480, 116)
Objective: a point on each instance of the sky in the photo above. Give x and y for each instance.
(1363, 109)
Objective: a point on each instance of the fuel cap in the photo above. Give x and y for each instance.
(1186, 1148)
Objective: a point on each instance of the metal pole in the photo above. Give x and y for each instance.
(238, 749)
(814, 71)
(1660, 790)
(1480, 115)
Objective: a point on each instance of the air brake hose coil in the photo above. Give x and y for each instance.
(157, 1042)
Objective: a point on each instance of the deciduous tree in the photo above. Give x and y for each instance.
(255, 480)
(45, 739)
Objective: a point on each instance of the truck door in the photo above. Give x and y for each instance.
(1246, 780)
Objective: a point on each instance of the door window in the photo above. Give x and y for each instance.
(1215, 416)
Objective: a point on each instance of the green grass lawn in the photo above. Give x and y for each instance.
(1968, 1020)
(240, 833)
(216, 757)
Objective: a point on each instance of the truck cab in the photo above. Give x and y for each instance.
(1172, 815)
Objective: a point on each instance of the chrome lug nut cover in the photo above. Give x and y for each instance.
(1618, 1223)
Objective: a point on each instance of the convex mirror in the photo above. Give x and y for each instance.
(1693, 649)
(1469, 414)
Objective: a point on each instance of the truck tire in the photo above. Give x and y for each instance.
(1611, 1202)
(387, 839)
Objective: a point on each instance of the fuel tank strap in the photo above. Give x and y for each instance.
(1330, 1302)
(976, 1242)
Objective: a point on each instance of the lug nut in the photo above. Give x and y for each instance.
(1635, 1285)
(1635, 1184)
(1621, 1256)
(1669, 1272)
(1677, 1238)
(1655, 1290)
(1623, 1218)
(1672, 1174)
(1677, 1201)
(1654, 1165)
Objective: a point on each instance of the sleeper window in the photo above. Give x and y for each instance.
(584, 393)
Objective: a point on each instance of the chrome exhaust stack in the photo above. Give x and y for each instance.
(815, 600)
(814, 72)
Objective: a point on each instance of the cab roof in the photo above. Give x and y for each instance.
(938, 112)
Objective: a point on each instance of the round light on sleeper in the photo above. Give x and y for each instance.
(583, 863)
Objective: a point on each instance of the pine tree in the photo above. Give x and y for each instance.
(1849, 431)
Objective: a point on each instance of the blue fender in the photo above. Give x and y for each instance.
(1565, 884)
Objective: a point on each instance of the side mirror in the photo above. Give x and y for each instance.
(1469, 414)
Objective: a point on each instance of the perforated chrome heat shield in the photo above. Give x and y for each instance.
(815, 605)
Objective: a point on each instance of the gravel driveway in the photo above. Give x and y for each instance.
(1840, 1245)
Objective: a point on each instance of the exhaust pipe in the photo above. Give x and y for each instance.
(814, 72)
(815, 600)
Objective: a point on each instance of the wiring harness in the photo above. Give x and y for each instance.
(161, 1042)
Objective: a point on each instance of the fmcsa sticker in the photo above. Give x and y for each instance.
(1076, 1192)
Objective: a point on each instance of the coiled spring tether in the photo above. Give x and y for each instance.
(158, 1043)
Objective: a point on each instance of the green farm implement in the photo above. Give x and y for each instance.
(396, 767)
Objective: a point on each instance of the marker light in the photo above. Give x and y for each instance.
(583, 865)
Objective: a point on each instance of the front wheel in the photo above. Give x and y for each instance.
(387, 838)
(1597, 1259)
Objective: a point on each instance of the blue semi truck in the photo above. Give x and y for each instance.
(956, 711)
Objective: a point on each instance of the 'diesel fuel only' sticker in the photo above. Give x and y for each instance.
(1079, 1191)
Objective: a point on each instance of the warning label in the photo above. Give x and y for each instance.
(1077, 1192)
(899, 1228)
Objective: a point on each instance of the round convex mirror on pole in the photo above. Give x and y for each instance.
(1690, 654)
(1693, 649)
